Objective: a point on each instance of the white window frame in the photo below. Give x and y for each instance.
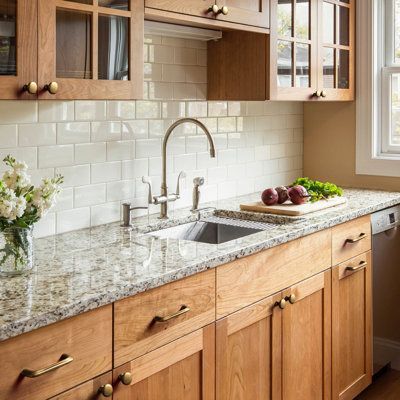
(374, 154)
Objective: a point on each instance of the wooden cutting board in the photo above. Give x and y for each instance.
(291, 209)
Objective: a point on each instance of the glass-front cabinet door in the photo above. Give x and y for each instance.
(336, 49)
(90, 49)
(18, 49)
(293, 41)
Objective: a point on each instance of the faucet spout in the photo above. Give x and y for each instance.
(164, 188)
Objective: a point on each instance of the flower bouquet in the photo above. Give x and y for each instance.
(21, 206)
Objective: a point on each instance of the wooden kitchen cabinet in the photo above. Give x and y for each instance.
(181, 370)
(18, 48)
(308, 55)
(275, 350)
(90, 49)
(351, 327)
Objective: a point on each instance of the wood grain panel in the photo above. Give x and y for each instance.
(136, 333)
(88, 390)
(197, 8)
(342, 250)
(352, 328)
(306, 340)
(247, 280)
(86, 337)
(248, 353)
(181, 370)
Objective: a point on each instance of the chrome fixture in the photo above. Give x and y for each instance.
(198, 181)
(164, 197)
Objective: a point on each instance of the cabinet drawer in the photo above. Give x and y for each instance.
(351, 239)
(90, 390)
(86, 338)
(252, 278)
(151, 319)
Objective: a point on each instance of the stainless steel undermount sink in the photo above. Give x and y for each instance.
(213, 230)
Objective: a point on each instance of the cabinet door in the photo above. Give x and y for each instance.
(306, 340)
(255, 13)
(336, 49)
(351, 327)
(197, 8)
(91, 390)
(91, 49)
(18, 48)
(293, 49)
(248, 353)
(181, 370)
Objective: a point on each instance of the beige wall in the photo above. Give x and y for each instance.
(330, 147)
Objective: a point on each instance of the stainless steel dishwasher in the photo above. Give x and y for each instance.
(386, 288)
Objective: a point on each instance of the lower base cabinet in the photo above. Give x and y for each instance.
(352, 327)
(181, 370)
(278, 348)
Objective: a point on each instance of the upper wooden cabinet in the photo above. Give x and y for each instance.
(18, 54)
(92, 49)
(309, 55)
(76, 49)
(220, 13)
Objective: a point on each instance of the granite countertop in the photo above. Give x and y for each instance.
(82, 270)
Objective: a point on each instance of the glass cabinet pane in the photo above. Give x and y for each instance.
(285, 64)
(82, 1)
(344, 69)
(328, 23)
(344, 26)
(8, 57)
(73, 41)
(329, 67)
(285, 18)
(114, 47)
(302, 23)
(119, 4)
(302, 65)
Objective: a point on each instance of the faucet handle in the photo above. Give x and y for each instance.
(181, 175)
(147, 181)
(198, 181)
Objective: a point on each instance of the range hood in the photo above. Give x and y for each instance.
(180, 31)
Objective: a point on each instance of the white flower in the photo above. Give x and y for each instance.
(17, 177)
(11, 206)
(44, 197)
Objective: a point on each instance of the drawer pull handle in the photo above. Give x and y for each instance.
(361, 237)
(353, 268)
(106, 390)
(183, 310)
(64, 360)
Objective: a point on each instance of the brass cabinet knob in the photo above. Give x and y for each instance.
(125, 378)
(106, 390)
(52, 87)
(323, 93)
(214, 8)
(291, 299)
(317, 93)
(224, 10)
(30, 87)
(281, 304)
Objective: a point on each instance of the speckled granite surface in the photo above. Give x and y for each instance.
(82, 270)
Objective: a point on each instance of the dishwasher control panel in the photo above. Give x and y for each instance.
(386, 219)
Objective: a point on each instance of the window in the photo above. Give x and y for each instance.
(378, 87)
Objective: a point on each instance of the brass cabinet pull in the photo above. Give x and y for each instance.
(183, 310)
(30, 87)
(125, 378)
(281, 304)
(361, 237)
(106, 390)
(64, 360)
(291, 299)
(323, 93)
(51, 87)
(317, 93)
(353, 268)
(214, 8)
(223, 10)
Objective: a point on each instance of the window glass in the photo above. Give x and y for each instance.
(285, 63)
(285, 14)
(8, 57)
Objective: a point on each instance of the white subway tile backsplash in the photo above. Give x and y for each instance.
(103, 148)
(37, 134)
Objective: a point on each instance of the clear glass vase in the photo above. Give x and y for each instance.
(16, 251)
